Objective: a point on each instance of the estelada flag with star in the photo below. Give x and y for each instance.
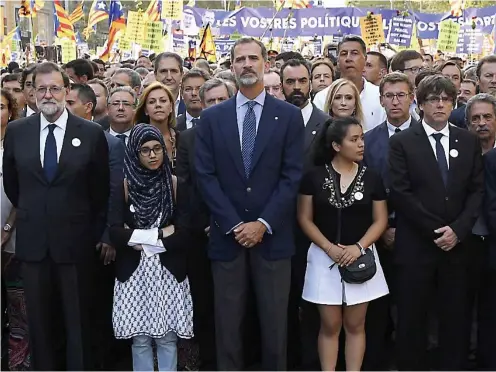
(207, 46)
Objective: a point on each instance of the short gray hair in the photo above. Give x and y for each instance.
(133, 76)
(248, 40)
(481, 97)
(214, 83)
(126, 89)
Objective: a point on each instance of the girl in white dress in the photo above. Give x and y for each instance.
(362, 208)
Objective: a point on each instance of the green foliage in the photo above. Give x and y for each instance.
(427, 6)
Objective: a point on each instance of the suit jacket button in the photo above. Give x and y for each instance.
(446, 198)
(247, 210)
(248, 189)
(387, 191)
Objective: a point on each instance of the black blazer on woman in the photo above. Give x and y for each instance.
(175, 258)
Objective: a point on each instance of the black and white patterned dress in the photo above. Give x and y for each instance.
(152, 302)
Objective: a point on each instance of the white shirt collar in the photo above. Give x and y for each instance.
(403, 126)
(189, 117)
(306, 112)
(241, 99)
(430, 131)
(114, 133)
(29, 111)
(61, 122)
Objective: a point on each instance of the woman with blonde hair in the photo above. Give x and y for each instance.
(156, 107)
(343, 100)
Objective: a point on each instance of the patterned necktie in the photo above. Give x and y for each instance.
(248, 138)
(194, 122)
(50, 158)
(122, 137)
(441, 157)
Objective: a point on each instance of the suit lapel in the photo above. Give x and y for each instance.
(72, 131)
(268, 122)
(311, 129)
(229, 126)
(430, 161)
(32, 142)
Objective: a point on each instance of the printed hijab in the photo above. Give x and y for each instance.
(150, 191)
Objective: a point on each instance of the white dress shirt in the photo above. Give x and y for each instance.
(58, 132)
(444, 140)
(306, 112)
(189, 120)
(115, 134)
(373, 113)
(176, 105)
(29, 111)
(242, 108)
(392, 128)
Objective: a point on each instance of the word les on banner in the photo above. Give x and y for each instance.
(401, 31)
(68, 50)
(372, 29)
(135, 27)
(448, 36)
(153, 37)
(172, 9)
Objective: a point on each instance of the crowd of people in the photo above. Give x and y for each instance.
(270, 212)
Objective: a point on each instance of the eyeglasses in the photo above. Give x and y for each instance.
(415, 70)
(53, 90)
(400, 96)
(146, 151)
(436, 100)
(125, 104)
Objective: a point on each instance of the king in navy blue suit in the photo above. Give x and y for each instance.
(249, 162)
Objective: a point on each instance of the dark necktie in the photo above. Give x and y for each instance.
(122, 137)
(50, 158)
(441, 157)
(397, 130)
(194, 122)
(248, 137)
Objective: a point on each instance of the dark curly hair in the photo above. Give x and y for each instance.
(11, 104)
(334, 130)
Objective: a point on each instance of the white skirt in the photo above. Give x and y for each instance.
(324, 286)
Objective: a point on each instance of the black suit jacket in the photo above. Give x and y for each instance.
(490, 203)
(104, 122)
(181, 123)
(57, 218)
(457, 117)
(422, 202)
(315, 123)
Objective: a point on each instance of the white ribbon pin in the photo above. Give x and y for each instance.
(314, 132)
(358, 195)
(76, 142)
(276, 118)
(454, 153)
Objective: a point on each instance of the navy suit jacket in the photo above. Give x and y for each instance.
(490, 202)
(115, 213)
(457, 117)
(269, 192)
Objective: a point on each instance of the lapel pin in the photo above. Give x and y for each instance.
(358, 195)
(456, 140)
(76, 142)
(314, 132)
(276, 118)
(454, 153)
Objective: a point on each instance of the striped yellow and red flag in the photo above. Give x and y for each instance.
(117, 23)
(98, 12)
(152, 13)
(29, 8)
(77, 14)
(63, 26)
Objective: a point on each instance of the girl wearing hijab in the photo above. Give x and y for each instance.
(152, 298)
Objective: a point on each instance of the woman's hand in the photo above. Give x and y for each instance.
(6, 235)
(169, 230)
(334, 252)
(350, 254)
(138, 247)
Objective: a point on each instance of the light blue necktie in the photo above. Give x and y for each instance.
(248, 138)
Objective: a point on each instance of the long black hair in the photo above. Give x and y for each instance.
(334, 130)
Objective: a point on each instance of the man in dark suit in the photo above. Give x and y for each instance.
(190, 91)
(397, 94)
(211, 93)
(100, 115)
(303, 317)
(249, 162)
(28, 91)
(81, 101)
(56, 173)
(122, 102)
(437, 188)
(169, 71)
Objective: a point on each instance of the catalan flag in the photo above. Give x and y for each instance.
(154, 10)
(77, 14)
(117, 23)
(63, 26)
(29, 8)
(98, 13)
(207, 45)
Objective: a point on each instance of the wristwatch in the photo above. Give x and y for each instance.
(160, 234)
(7, 227)
(362, 250)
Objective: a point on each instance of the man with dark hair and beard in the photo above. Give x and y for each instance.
(302, 336)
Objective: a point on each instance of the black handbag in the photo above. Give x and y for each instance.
(364, 268)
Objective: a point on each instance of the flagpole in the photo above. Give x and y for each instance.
(272, 20)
